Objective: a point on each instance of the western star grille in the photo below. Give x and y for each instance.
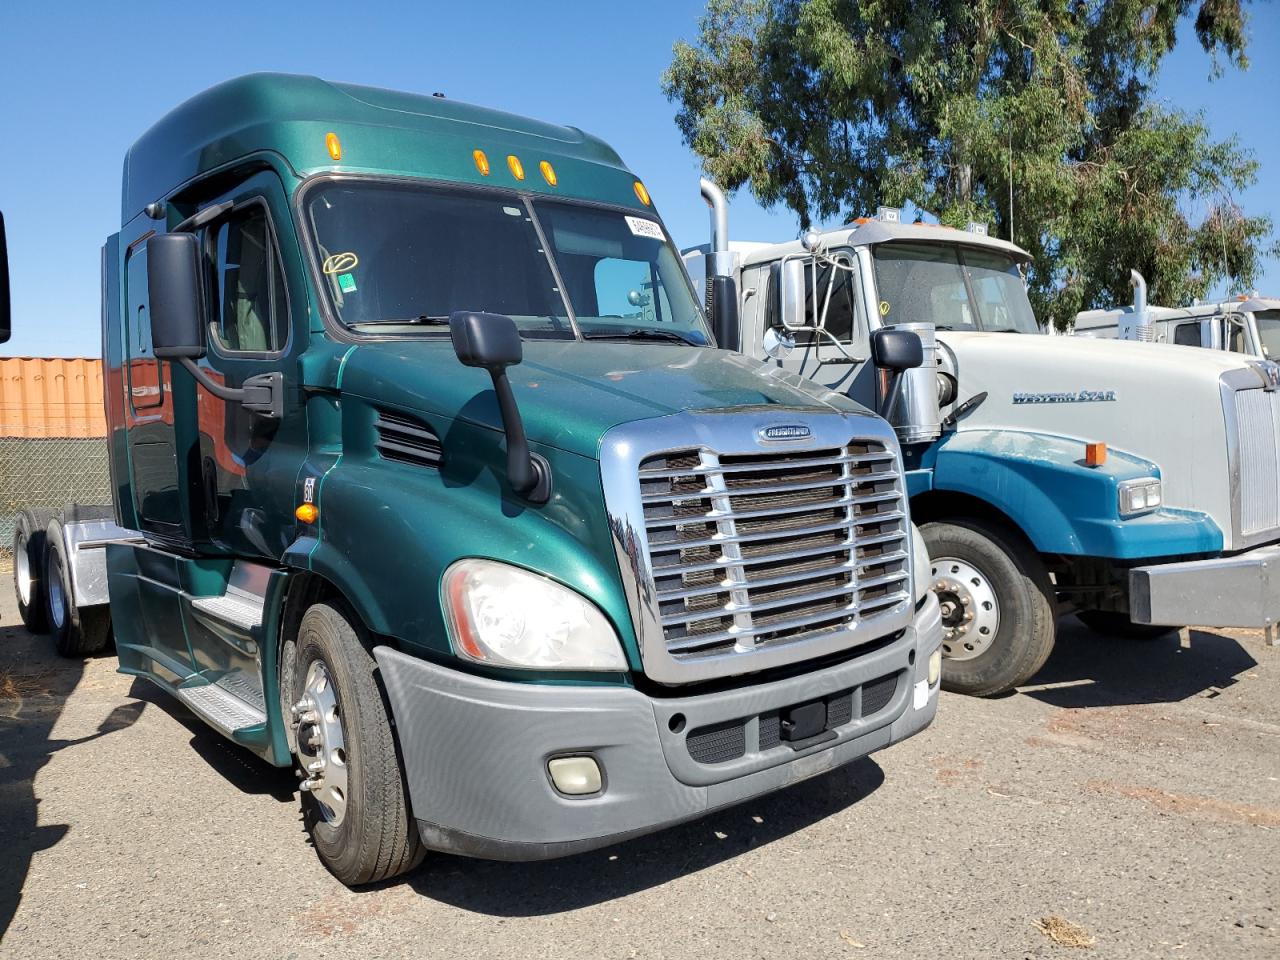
(1258, 425)
(761, 549)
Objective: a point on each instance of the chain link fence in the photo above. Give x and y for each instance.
(47, 472)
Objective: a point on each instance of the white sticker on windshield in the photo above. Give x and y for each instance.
(645, 228)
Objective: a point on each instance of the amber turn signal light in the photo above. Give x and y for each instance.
(307, 513)
(1095, 454)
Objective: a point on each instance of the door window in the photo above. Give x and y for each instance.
(1187, 334)
(250, 309)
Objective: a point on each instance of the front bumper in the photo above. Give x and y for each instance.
(1236, 591)
(476, 750)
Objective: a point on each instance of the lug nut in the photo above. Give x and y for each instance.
(309, 784)
(316, 766)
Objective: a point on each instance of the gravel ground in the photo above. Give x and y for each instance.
(1129, 799)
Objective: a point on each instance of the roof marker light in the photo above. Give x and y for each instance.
(548, 173)
(516, 167)
(642, 194)
(332, 143)
(482, 162)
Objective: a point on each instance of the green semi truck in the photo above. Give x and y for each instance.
(430, 481)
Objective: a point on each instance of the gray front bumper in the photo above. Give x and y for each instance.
(1237, 591)
(476, 750)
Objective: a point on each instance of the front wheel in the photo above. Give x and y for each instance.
(997, 606)
(353, 797)
(1112, 624)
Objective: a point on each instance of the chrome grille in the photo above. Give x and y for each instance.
(757, 550)
(1258, 438)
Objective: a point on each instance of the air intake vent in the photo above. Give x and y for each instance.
(407, 440)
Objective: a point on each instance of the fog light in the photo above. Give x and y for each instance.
(575, 776)
(935, 667)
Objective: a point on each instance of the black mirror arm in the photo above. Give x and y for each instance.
(528, 473)
(262, 393)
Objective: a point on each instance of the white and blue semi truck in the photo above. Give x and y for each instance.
(1136, 485)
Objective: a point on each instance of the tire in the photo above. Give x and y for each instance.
(1112, 624)
(28, 567)
(76, 631)
(372, 834)
(990, 575)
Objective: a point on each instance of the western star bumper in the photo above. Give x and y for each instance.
(476, 750)
(1237, 591)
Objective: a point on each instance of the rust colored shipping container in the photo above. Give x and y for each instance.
(51, 397)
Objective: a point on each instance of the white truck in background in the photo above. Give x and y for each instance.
(1041, 470)
(1248, 325)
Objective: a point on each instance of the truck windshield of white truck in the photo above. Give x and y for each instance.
(954, 288)
(1269, 332)
(400, 257)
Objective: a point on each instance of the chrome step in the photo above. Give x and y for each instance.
(234, 607)
(221, 708)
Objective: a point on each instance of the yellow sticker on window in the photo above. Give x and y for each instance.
(340, 263)
(884, 308)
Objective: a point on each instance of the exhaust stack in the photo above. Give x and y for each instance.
(722, 269)
(1137, 325)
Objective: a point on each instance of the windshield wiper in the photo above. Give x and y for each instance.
(665, 335)
(421, 320)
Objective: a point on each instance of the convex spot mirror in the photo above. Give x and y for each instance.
(5, 316)
(176, 294)
(778, 343)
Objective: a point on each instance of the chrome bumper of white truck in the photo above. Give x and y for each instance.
(1237, 591)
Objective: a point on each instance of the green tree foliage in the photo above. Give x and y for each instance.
(832, 107)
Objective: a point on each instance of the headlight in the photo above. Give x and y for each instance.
(1138, 496)
(921, 569)
(508, 617)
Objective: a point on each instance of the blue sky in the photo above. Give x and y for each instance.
(82, 81)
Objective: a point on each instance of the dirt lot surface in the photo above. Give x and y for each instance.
(1125, 805)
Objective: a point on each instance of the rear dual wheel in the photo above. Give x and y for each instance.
(354, 799)
(28, 566)
(76, 631)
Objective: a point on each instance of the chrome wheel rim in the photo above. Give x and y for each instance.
(322, 743)
(22, 570)
(57, 599)
(970, 610)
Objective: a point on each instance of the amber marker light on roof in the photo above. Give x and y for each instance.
(334, 145)
(482, 162)
(516, 167)
(1095, 454)
(642, 194)
(548, 173)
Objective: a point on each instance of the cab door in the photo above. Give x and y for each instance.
(246, 464)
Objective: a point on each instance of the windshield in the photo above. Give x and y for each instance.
(400, 257)
(951, 287)
(1269, 332)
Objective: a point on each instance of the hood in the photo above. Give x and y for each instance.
(570, 393)
(1160, 402)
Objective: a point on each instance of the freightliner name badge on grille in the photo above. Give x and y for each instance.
(1067, 396)
(786, 431)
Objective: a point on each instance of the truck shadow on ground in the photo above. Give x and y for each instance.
(246, 772)
(34, 686)
(1088, 669)
(557, 886)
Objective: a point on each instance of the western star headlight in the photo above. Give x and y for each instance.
(1139, 496)
(507, 617)
(921, 570)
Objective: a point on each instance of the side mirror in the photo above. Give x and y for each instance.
(791, 294)
(492, 342)
(176, 294)
(177, 324)
(5, 316)
(896, 350)
(724, 313)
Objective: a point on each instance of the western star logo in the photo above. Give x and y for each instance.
(1068, 396)
(788, 431)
